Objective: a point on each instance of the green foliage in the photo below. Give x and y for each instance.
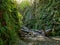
(24, 4)
(43, 14)
(10, 23)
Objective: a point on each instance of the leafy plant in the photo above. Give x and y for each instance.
(43, 14)
(10, 22)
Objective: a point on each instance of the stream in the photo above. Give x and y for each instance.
(37, 38)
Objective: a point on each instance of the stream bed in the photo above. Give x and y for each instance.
(41, 41)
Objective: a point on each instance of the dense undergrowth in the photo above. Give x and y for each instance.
(41, 14)
(10, 22)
